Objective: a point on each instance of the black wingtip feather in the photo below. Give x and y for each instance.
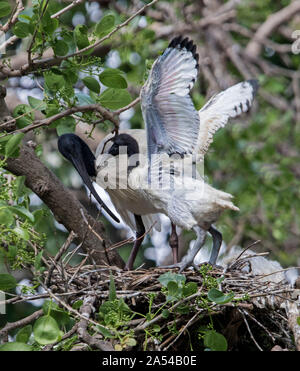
(255, 85)
(185, 43)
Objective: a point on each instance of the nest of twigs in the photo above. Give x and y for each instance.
(259, 314)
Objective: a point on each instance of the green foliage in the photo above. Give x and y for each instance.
(219, 297)
(5, 8)
(23, 334)
(214, 341)
(15, 346)
(113, 78)
(17, 222)
(7, 282)
(46, 330)
(105, 25)
(114, 98)
(114, 312)
(175, 286)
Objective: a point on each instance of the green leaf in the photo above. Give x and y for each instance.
(21, 232)
(12, 146)
(165, 313)
(7, 282)
(54, 81)
(298, 320)
(173, 290)
(105, 25)
(112, 288)
(49, 24)
(38, 261)
(91, 84)
(22, 212)
(167, 277)
(6, 217)
(60, 48)
(5, 8)
(215, 341)
(84, 99)
(130, 342)
(114, 98)
(21, 109)
(46, 330)
(23, 334)
(218, 296)
(65, 125)
(105, 332)
(189, 289)
(77, 304)
(80, 36)
(36, 104)
(60, 316)
(21, 29)
(20, 186)
(113, 78)
(15, 347)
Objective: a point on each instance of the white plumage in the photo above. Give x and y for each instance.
(174, 126)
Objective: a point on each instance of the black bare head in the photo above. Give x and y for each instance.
(79, 154)
(124, 140)
(72, 147)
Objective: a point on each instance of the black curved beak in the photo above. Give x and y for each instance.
(80, 167)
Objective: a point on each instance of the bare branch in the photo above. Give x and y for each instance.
(22, 322)
(272, 22)
(62, 11)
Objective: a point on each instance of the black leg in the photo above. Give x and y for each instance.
(217, 242)
(173, 241)
(140, 231)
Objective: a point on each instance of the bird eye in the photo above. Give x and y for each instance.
(114, 150)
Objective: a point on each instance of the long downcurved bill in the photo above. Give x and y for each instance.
(79, 165)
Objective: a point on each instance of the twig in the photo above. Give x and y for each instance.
(65, 336)
(22, 322)
(62, 11)
(249, 330)
(272, 22)
(14, 17)
(35, 32)
(130, 105)
(117, 28)
(82, 329)
(61, 251)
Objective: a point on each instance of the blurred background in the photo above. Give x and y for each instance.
(255, 157)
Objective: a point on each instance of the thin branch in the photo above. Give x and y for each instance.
(14, 17)
(272, 22)
(107, 115)
(117, 28)
(35, 33)
(61, 251)
(249, 330)
(86, 311)
(22, 322)
(68, 7)
(130, 105)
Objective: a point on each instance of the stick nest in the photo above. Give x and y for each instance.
(262, 314)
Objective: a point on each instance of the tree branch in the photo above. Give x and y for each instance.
(272, 22)
(65, 207)
(14, 17)
(68, 7)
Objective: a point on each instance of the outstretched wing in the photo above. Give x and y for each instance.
(220, 108)
(172, 122)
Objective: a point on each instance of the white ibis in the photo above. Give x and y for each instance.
(172, 126)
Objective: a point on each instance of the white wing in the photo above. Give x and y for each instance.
(172, 122)
(220, 108)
